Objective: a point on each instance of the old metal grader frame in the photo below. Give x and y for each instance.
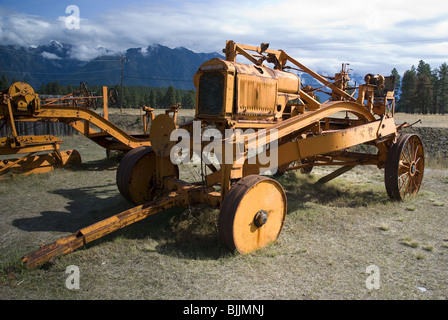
(275, 115)
(21, 103)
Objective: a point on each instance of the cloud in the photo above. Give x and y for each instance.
(49, 55)
(375, 36)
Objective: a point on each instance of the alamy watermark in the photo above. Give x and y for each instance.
(73, 20)
(72, 281)
(373, 280)
(236, 147)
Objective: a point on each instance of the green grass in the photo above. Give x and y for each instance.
(410, 242)
(420, 256)
(332, 231)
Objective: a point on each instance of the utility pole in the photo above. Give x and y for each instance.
(123, 59)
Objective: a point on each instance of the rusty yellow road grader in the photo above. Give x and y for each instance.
(260, 120)
(20, 103)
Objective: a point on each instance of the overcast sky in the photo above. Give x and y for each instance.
(373, 36)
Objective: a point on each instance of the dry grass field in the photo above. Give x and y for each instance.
(333, 233)
(427, 121)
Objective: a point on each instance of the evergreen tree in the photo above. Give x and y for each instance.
(144, 98)
(179, 96)
(170, 97)
(159, 99)
(58, 90)
(152, 99)
(43, 89)
(69, 89)
(50, 88)
(406, 102)
(126, 97)
(395, 73)
(424, 88)
(134, 98)
(435, 90)
(4, 83)
(442, 101)
(188, 100)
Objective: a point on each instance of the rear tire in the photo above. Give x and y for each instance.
(135, 175)
(405, 165)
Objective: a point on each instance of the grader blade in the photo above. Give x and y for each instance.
(32, 163)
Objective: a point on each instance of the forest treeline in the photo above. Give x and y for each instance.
(419, 90)
(422, 89)
(133, 96)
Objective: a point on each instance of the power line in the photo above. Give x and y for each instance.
(56, 73)
(94, 72)
(82, 79)
(155, 78)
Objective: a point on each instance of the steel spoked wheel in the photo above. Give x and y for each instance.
(253, 214)
(405, 165)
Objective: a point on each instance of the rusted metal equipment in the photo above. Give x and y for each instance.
(256, 112)
(21, 103)
(20, 99)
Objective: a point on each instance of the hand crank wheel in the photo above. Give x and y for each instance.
(405, 164)
(112, 96)
(252, 214)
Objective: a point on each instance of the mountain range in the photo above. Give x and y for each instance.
(155, 65)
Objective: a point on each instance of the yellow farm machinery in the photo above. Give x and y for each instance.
(251, 121)
(20, 103)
